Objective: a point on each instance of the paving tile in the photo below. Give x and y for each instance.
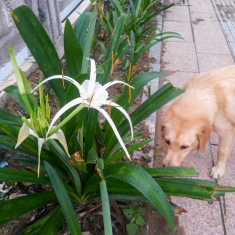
(228, 201)
(209, 62)
(177, 2)
(200, 5)
(181, 27)
(202, 161)
(178, 79)
(177, 13)
(209, 38)
(201, 218)
(208, 15)
(179, 56)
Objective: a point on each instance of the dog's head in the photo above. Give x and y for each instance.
(182, 135)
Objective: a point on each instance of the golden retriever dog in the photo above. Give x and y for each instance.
(208, 104)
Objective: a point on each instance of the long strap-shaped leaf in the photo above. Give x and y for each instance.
(48, 225)
(22, 176)
(65, 163)
(64, 200)
(104, 199)
(112, 49)
(40, 45)
(84, 30)
(154, 102)
(73, 51)
(172, 171)
(142, 181)
(138, 83)
(16, 207)
(29, 146)
(6, 117)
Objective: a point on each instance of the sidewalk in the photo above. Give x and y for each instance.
(209, 42)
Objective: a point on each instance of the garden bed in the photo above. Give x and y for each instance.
(91, 216)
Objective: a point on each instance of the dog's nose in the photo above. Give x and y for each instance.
(163, 165)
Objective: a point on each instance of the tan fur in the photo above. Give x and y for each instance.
(208, 104)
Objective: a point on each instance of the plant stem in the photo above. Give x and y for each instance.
(75, 111)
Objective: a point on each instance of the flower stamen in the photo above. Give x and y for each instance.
(90, 100)
(128, 79)
(62, 71)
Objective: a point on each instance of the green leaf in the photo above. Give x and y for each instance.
(141, 211)
(65, 163)
(131, 228)
(6, 117)
(90, 130)
(22, 176)
(64, 200)
(13, 91)
(139, 179)
(112, 49)
(172, 171)
(170, 186)
(176, 209)
(121, 153)
(84, 30)
(128, 213)
(40, 46)
(104, 199)
(78, 162)
(138, 83)
(16, 207)
(92, 156)
(29, 163)
(154, 102)
(29, 146)
(21, 80)
(117, 6)
(178, 187)
(49, 224)
(140, 221)
(73, 51)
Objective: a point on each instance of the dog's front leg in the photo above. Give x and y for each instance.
(225, 143)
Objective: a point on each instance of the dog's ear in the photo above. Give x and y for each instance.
(202, 136)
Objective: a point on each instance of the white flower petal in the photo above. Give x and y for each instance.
(100, 94)
(114, 129)
(59, 135)
(64, 109)
(124, 112)
(33, 133)
(23, 134)
(92, 82)
(40, 143)
(116, 82)
(80, 88)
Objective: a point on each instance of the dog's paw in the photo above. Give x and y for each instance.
(217, 172)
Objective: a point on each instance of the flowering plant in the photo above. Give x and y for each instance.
(85, 166)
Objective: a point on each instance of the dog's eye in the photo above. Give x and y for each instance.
(168, 142)
(183, 147)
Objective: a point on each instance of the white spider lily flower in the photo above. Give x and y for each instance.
(92, 95)
(25, 131)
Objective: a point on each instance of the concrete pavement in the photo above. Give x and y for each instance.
(208, 29)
